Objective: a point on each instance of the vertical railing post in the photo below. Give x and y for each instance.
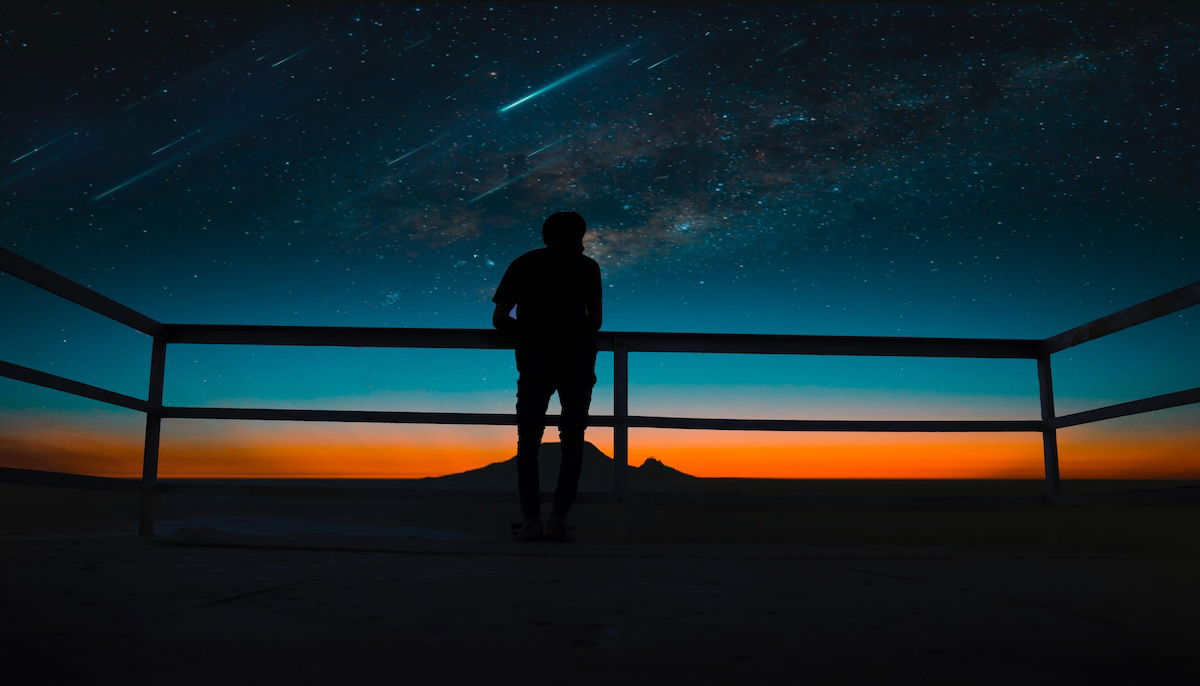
(158, 364)
(1049, 432)
(620, 419)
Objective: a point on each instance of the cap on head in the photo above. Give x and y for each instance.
(564, 229)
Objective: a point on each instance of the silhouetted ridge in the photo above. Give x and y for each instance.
(596, 472)
(653, 466)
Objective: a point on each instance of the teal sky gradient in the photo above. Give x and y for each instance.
(743, 168)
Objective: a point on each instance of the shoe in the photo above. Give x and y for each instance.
(558, 531)
(531, 530)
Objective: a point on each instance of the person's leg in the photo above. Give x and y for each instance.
(575, 395)
(533, 395)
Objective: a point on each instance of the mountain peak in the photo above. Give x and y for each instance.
(596, 472)
(655, 466)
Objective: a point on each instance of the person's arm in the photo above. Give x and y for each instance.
(506, 297)
(595, 313)
(501, 319)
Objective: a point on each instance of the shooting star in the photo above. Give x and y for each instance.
(508, 183)
(455, 93)
(555, 84)
(373, 228)
(43, 146)
(488, 192)
(546, 147)
(423, 40)
(417, 149)
(177, 140)
(665, 59)
(799, 42)
(137, 178)
(144, 98)
(294, 54)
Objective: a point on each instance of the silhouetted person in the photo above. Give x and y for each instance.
(556, 291)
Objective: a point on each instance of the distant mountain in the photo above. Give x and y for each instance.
(653, 468)
(595, 474)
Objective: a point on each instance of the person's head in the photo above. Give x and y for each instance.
(564, 230)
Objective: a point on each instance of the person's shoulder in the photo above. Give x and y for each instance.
(526, 258)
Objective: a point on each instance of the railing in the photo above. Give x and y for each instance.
(620, 343)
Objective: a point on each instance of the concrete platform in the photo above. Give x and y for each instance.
(202, 604)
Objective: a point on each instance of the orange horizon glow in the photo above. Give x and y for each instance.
(281, 450)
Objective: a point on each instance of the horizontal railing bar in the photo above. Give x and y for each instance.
(1158, 402)
(877, 425)
(354, 336)
(1145, 311)
(76, 292)
(59, 383)
(824, 345)
(35, 477)
(468, 418)
(483, 419)
(605, 340)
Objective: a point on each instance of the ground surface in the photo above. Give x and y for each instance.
(237, 595)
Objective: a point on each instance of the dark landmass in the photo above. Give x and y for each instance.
(596, 473)
(653, 476)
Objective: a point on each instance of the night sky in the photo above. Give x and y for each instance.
(1001, 170)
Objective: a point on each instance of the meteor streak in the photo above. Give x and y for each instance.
(555, 84)
(799, 42)
(177, 140)
(506, 184)
(488, 192)
(547, 146)
(144, 98)
(294, 54)
(417, 149)
(137, 178)
(426, 38)
(666, 59)
(40, 147)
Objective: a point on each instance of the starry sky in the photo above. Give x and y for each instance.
(978, 170)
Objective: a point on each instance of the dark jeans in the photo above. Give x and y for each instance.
(571, 372)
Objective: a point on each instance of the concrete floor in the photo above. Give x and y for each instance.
(123, 610)
(306, 591)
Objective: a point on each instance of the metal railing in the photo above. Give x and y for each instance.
(619, 343)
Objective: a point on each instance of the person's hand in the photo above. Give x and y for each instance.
(502, 320)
